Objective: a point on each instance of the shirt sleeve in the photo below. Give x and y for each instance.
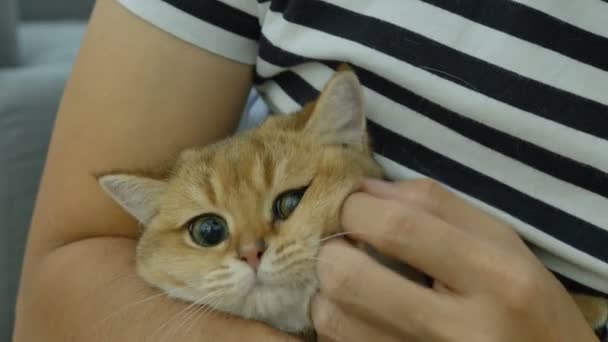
(229, 28)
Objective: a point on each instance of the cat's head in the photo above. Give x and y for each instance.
(238, 224)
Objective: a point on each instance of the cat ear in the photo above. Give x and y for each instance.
(139, 196)
(338, 115)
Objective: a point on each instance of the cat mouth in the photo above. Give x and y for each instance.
(256, 283)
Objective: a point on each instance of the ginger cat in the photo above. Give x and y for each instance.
(237, 225)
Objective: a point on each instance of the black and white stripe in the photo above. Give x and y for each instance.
(505, 102)
(417, 50)
(234, 19)
(574, 42)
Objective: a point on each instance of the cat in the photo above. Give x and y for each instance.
(237, 225)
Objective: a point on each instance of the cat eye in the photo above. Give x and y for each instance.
(208, 230)
(286, 203)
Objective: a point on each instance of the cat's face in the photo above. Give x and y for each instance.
(238, 224)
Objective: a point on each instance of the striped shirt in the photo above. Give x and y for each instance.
(503, 101)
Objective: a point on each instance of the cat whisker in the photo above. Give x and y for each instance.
(333, 236)
(185, 310)
(319, 259)
(286, 250)
(219, 274)
(295, 250)
(211, 308)
(213, 286)
(219, 277)
(195, 315)
(192, 314)
(142, 301)
(383, 235)
(202, 312)
(193, 307)
(293, 263)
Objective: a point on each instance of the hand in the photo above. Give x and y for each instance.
(488, 285)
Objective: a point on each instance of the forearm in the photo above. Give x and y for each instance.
(89, 291)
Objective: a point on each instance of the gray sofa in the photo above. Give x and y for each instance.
(38, 42)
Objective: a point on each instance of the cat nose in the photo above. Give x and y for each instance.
(252, 255)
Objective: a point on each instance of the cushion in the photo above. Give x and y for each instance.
(55, 9)
(28, 102)
(8, 33)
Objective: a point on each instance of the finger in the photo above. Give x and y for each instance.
(374, 293)
(423, 241)
(333, 324)
(436, 199)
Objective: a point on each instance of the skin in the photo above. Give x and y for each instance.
(136, 97)
(489, 286)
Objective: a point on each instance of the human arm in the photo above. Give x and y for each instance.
(137, 96)
(488, 285)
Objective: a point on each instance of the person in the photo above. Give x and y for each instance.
(502, 103)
